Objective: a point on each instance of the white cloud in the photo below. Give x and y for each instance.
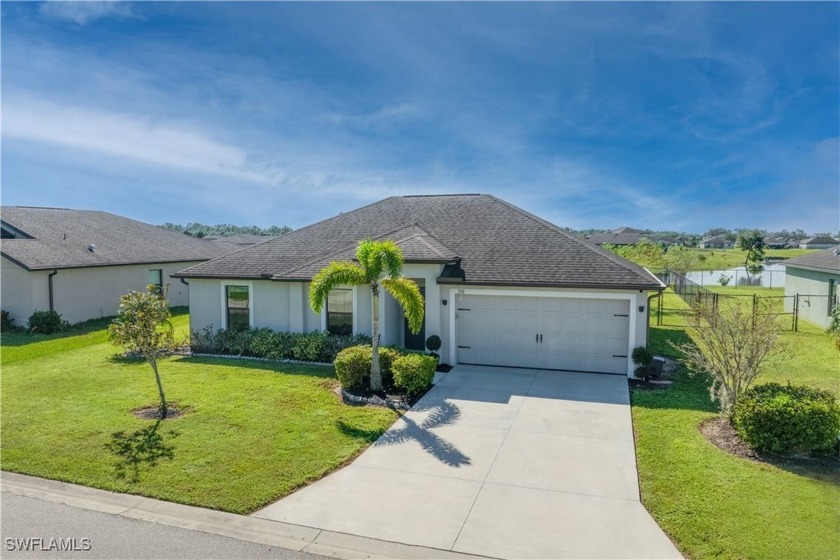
(168, 144)
(84, 12)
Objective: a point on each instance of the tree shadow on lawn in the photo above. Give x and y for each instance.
(286, 368)
(140, 450)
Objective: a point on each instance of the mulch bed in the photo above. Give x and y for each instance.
(720, 432)
(153, 412)
(389, 398)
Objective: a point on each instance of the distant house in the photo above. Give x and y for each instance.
(814, 277)
(79, 262)
(619, 237)
(716, 242)
(775, 243)
(818, 243)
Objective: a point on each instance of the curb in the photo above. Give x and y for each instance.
(253, 529)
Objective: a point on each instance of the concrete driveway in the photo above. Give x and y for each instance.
(497, 462)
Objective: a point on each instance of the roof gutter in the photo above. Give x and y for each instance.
(50, 288)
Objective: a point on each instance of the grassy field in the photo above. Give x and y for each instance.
(716, 505)
(255, 431)
(722, 259)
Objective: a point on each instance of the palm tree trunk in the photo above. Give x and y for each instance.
(163, 406)
(375, 372)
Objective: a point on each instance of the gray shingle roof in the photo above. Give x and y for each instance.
(823, 260)
(497, 242)
(818, 240)
(60, 239)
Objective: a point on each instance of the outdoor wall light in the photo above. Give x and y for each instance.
(641, 309)
(444, 302)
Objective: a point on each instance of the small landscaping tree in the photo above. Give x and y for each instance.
(680, 259)
(732, 343)
(143, 326)
(379, 266)
(752, 241)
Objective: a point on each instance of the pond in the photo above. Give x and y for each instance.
(773, 276)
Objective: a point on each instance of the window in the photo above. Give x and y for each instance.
(238, 303)
(340, 312)
(832, 295)
(156, 278)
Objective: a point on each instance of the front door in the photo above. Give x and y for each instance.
(416, 341)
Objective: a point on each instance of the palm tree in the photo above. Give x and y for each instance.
(379, 264)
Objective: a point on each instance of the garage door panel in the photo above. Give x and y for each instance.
(577, 333)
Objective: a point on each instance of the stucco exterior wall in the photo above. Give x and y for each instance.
(15, 291)
(284, 306)
(812, 283)
(80, 294)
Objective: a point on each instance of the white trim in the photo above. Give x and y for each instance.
(250, 285)
(632, 298)
(355, 309)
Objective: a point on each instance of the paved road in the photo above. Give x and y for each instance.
(112, 536)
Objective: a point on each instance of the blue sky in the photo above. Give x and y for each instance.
(680, 116)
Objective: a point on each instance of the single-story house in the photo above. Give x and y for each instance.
(818, 243)
(79, 262)
(716, 242)
(502, 286)
(775, 243)
(815, 278)
(619, 237)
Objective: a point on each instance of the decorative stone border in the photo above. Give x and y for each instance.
(232, 357)
(374, 400)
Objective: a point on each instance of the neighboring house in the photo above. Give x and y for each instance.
(814, 277)
(818, 243)
(79, 262)
(502, 286)
(775, 243)
(716, 242)
(620, 236)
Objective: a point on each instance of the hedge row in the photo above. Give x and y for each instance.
(265, 343)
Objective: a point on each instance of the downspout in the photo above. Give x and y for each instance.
(50, 287)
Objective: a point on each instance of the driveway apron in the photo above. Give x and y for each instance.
(497, 462)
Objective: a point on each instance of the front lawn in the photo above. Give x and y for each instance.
(713, 504)
(255, 431)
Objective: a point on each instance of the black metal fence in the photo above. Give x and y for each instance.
(787, 308)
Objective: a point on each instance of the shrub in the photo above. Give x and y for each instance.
(266, 343)
(785, 419)
(45, 322)
(353, 364)
(641, 356)
(414, 373)
(433, 343)
(5, 321)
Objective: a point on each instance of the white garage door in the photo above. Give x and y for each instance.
(577, 334)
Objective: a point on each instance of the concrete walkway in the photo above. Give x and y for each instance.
(497, 462)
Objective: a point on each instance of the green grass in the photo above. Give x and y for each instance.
(714, 504)
(255, 431)
(721, 259)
